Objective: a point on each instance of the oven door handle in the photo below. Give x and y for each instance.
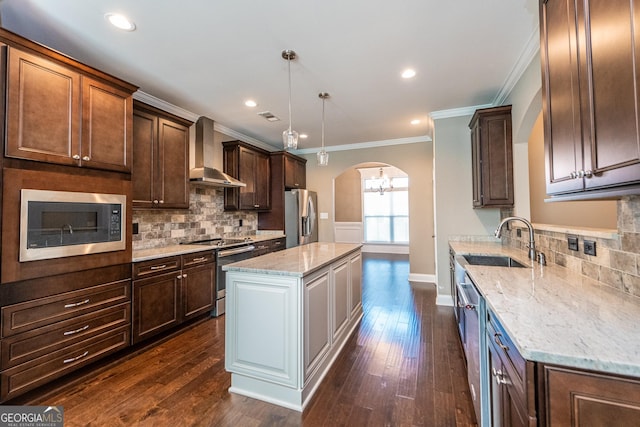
(229, 252)
(463, 294)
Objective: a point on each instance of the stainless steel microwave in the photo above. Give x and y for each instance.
(56, 224)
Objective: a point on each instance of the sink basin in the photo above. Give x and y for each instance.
(493, 260)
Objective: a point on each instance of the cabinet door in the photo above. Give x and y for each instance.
(496, 156)
(43, 110)
(248, 174)
(155, 305)
(198, 290)
(231, 160)
(575, 398)
(561, 95)
(356, 284)
(172, 179)
(476, 166)
(610, 94)
(262, 182)
(294, 173)
(317, 335)
(145, 136)
(340, 295)
(106, 127)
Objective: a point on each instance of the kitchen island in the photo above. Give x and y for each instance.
(289, 314)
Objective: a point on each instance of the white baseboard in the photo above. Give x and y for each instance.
(422, 278)
(444, 300)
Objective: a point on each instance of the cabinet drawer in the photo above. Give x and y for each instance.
(29, 315)
(43, 369)
(508, 352)
(29, 345)
(155, 266)
(198, 258)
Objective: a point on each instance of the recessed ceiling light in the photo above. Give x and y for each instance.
(408, 73)
(250, 103)
(120, 21)
(415, 122)
(304, 136)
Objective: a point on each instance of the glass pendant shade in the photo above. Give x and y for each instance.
(290, 139)
(323, 158)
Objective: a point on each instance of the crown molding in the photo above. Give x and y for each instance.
(242, 137)
(370, 144)
(457, 112)
(530, 52)
(165, 106)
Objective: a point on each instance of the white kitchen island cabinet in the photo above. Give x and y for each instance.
(289, 313)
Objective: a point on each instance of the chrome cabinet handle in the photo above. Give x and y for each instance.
(500, 377)
(84, 328)
(86, 158)
(256, 206)
(588, 174)
(202, 258)
(573, 175)
(496, 338)
(73, 359)
(76, 157)
(76, 304)
(158, 267)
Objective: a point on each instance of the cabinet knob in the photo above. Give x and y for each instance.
(155, 202)
(573, 175)
(184, 275)
(76, 157)
(179, 277)
(588, 174)
(256, 206)
(86, 158)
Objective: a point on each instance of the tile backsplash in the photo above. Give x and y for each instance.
(617, 258)
(205, 219)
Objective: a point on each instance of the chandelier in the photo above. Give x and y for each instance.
(382, 183)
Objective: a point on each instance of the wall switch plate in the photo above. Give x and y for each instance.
(590, 247)
(572, 243)
(324, 215)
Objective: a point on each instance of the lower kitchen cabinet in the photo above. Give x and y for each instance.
(577, 398)
(170, 291)
(47, 337)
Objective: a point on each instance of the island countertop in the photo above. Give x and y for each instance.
(557, 316)
(298, 261)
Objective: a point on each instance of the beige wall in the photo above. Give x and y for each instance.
(416, 160)
(598, 214)
(348, 201)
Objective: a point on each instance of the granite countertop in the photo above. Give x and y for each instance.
(557, 316)
(173, 250)
(298, 261)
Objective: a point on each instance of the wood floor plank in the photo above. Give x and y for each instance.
(402, 367)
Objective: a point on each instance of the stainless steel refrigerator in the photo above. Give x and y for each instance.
(300, 221)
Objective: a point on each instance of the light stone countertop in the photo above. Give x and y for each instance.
(298, 261)
(173, 250)
(556, 316)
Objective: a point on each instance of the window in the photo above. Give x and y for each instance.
(386, 208)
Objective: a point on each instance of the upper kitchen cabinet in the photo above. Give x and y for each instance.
(251, 166)
(287, 170)
(62, 112)
(295, 172)
(160, 159)
(590, 96)
(492, 157)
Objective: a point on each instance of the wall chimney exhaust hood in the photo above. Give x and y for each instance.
(205, 171)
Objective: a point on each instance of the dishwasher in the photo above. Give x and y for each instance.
(474, 341)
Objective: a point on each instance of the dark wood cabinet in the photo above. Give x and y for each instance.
(170, 291)
(46, 337)
(492, 157)
(590, 100)
(161, 159)
(286, 170)
(295, 173)
(59, 114)
(251, 166)
(512, 387)
(576, 398)
(267, 246)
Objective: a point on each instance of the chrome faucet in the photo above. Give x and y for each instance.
(532, 243)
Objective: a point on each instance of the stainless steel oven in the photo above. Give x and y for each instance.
(55, 224)
(226, 257)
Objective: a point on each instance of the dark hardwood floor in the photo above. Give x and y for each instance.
(402, 367)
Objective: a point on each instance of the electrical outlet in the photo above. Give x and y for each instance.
(240, 222)
(572, 243)
(519, 232)
(590, 247)
(135, 228)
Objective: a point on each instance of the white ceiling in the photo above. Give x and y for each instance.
(209, 56)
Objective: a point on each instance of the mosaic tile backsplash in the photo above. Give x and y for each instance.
(205, 219)
(617, 258)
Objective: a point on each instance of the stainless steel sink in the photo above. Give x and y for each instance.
(493, 260)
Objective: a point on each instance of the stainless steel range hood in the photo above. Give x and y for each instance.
(206, 172)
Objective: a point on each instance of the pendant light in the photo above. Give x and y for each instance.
(289, 136)
(323, 156)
